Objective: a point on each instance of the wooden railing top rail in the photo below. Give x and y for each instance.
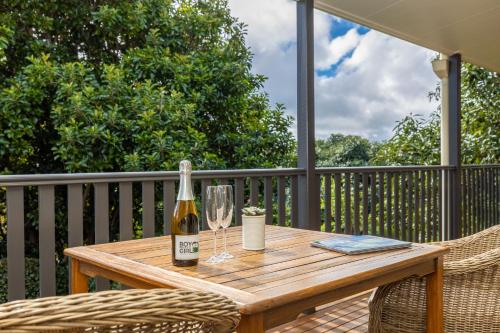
(481, 166)
(398, 168)
(115, 177)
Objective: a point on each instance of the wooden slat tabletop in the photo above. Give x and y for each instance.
(288, 270)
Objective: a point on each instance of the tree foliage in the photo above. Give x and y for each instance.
(132, 85)
(416, 139)
(340, 150)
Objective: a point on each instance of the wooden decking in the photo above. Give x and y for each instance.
(346, 315)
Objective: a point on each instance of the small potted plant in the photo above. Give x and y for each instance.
(254, 228)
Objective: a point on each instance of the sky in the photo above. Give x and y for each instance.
(365, 80)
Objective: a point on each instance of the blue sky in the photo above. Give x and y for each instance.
(365, 80)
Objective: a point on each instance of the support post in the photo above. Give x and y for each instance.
(308, 185)
(448, 70)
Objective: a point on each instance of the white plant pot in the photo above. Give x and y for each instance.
(254, 232)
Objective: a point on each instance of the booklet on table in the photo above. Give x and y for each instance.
(359, 244)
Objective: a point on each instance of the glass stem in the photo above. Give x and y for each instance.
(225, 240)
(215, 242)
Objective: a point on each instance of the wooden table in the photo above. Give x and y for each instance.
(272, 286)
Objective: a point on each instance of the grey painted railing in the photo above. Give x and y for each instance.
(82, 190)
(403, 202)
(480, 196)
(399, 202)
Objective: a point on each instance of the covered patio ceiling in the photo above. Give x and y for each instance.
(468, 27)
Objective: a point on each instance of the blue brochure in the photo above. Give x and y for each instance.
(359, 244)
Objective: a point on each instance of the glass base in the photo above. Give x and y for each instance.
(225, 255)
(214, 260)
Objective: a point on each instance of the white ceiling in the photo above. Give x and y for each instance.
(468, 27)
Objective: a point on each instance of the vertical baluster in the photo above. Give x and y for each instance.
(254, 191)
(356, 204)
(496, 203)
(365, 203)
(441, 180)
(465, 208)
(125, 208)
(397, 219)
(435, 217)
(490, 198)
(15, 243)
(222, 181)
(389, 204)
(294, 217)
(473, 199)
(422, 206)
(404, 222)
(148, 209)
(281, 201)
(268, 199)
(469, 203)
(417, 206)
(347, 202)
(478, 200)
(338, 203)
(428, 206)
(168, 204)
(47, 240)
(381, 219)
(373, 203)
(204, 184)
(445, 193)
(481, 198)
(485, 199)
(75, 215)
(125, 211)
(101, 212)
(497, 193)
(75, 220)
(328, 202)
(239, 199)
(410, 206)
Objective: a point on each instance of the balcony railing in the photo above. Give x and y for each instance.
(399, 202)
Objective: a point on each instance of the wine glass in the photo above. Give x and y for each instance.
(213, 211)
(226, 199)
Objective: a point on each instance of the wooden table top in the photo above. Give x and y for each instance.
(288, 270)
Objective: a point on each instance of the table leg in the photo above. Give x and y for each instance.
(251, 323)
(79, 282)
(435, 298)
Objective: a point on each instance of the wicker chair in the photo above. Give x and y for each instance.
(134, 310)
(471, 291)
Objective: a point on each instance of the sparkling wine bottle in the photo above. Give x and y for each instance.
(184, 223)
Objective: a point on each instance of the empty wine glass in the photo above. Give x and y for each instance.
(226, 199)
(213, 210)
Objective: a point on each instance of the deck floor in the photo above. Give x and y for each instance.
(346, 315)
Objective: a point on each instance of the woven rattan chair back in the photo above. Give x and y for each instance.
(134, 310)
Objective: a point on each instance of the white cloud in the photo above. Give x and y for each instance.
(270, 23)
(382, 81)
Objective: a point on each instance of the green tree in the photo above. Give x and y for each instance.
(132, 85)
(416, 139)
(340, 150)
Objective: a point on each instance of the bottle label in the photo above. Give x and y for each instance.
(187, 247)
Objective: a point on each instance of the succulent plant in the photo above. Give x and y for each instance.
(253, 211)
